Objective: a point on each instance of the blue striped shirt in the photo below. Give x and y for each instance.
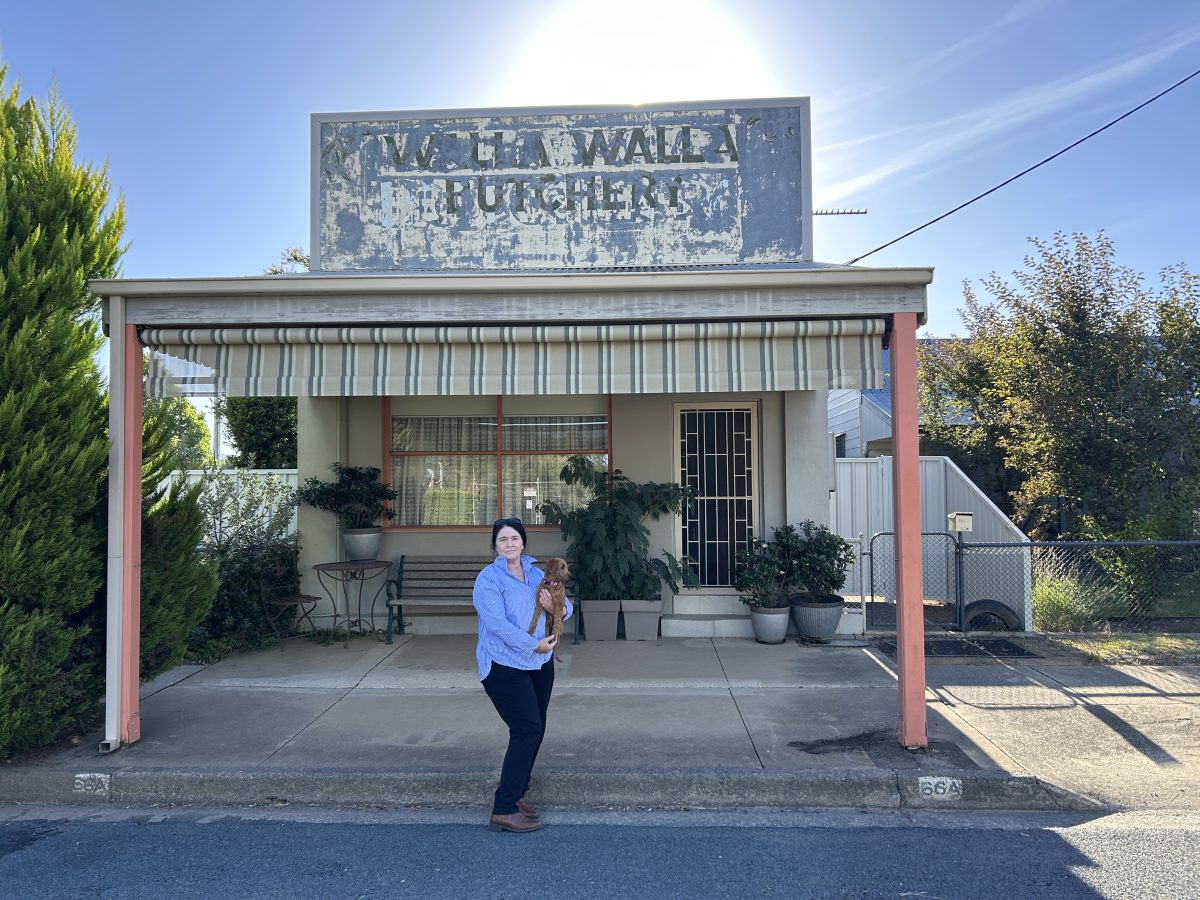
(505, 606)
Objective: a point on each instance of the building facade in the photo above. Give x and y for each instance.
(494, 290)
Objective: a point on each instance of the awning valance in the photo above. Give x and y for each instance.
(530, 359)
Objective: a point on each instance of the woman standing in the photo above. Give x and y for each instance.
(515, 667)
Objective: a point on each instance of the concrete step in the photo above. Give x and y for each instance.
(714, 626)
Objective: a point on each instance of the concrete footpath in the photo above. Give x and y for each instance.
(678, 723)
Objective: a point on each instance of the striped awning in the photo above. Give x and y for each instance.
(534, 359)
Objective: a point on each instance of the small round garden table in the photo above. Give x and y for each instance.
(346, 575)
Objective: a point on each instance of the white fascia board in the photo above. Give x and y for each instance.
(500, 283)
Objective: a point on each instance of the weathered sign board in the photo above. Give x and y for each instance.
(488, 190)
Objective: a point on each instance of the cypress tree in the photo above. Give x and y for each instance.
(178, 581)
(57, 229)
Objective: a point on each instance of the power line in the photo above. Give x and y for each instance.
(1007, 181)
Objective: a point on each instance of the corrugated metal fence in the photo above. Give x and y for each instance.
(862, 504)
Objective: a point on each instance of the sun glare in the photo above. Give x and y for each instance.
(636, 51)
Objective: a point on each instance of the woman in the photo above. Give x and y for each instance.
(516, 668)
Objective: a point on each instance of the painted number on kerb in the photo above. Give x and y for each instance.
(92, 783)
(939, 787)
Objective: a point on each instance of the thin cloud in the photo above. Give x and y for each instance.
(964, 52)
(966, 130)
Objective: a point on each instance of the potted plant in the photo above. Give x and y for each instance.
(766, 574)
(824, 560)
(358, 501)
(608, 544)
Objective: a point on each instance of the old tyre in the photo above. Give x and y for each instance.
(990, 615)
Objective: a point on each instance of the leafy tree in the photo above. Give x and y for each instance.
(264, 428)
(190, 439)
(58, 228)
(1078, 386)
(291, 261)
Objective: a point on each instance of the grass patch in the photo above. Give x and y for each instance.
(1184, 600)
(1133, 649)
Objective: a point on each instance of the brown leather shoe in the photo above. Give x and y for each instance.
(529, 812)
(516, 822)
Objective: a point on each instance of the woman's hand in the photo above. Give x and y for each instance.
(546, 644)
(545, 601)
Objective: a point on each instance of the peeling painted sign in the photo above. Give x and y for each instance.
(501, 190)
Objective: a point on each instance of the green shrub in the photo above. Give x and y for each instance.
(356, 496)
(1061, 604)
(246, 539)
(767, 573)
(179, 582)
(235, 621)
(36, 701)
(825, 559)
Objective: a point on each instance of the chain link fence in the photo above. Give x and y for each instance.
(1045, 586)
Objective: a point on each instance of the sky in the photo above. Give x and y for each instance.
(202, 111)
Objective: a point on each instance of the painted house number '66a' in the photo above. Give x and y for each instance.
(940, 787)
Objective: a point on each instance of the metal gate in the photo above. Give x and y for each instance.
(939, 585)
(1047, 585)
(964, 586)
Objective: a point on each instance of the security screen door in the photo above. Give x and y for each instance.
(717, 460)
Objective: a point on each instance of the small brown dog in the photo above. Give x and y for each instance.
(555, 582)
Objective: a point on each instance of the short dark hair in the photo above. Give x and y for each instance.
(512, 523)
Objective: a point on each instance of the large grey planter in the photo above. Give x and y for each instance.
(817, 618)
(770, 624)
(600, 619)
(362, 543)
(641, 619)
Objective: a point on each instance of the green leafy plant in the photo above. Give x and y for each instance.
(356, 496)
(608, 541)
(825, 558)
(247, 518)
(768, 572)
(1061, 604)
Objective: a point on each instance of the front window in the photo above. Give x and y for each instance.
(466, 471)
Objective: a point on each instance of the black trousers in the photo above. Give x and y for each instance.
(521, 697)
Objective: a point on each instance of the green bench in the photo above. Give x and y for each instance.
(434, 581)
(429, 581)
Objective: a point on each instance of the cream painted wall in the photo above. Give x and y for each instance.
(794, 449)
(319, 426)
(810, 472)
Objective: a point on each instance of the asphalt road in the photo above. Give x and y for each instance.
(56, 852)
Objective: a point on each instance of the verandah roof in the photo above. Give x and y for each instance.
(632, 358)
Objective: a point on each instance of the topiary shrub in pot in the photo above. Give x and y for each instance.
(358, 500)
(766, 574)
(608, 545)
(825, 558)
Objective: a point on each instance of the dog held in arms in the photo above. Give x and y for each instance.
(555, 581)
